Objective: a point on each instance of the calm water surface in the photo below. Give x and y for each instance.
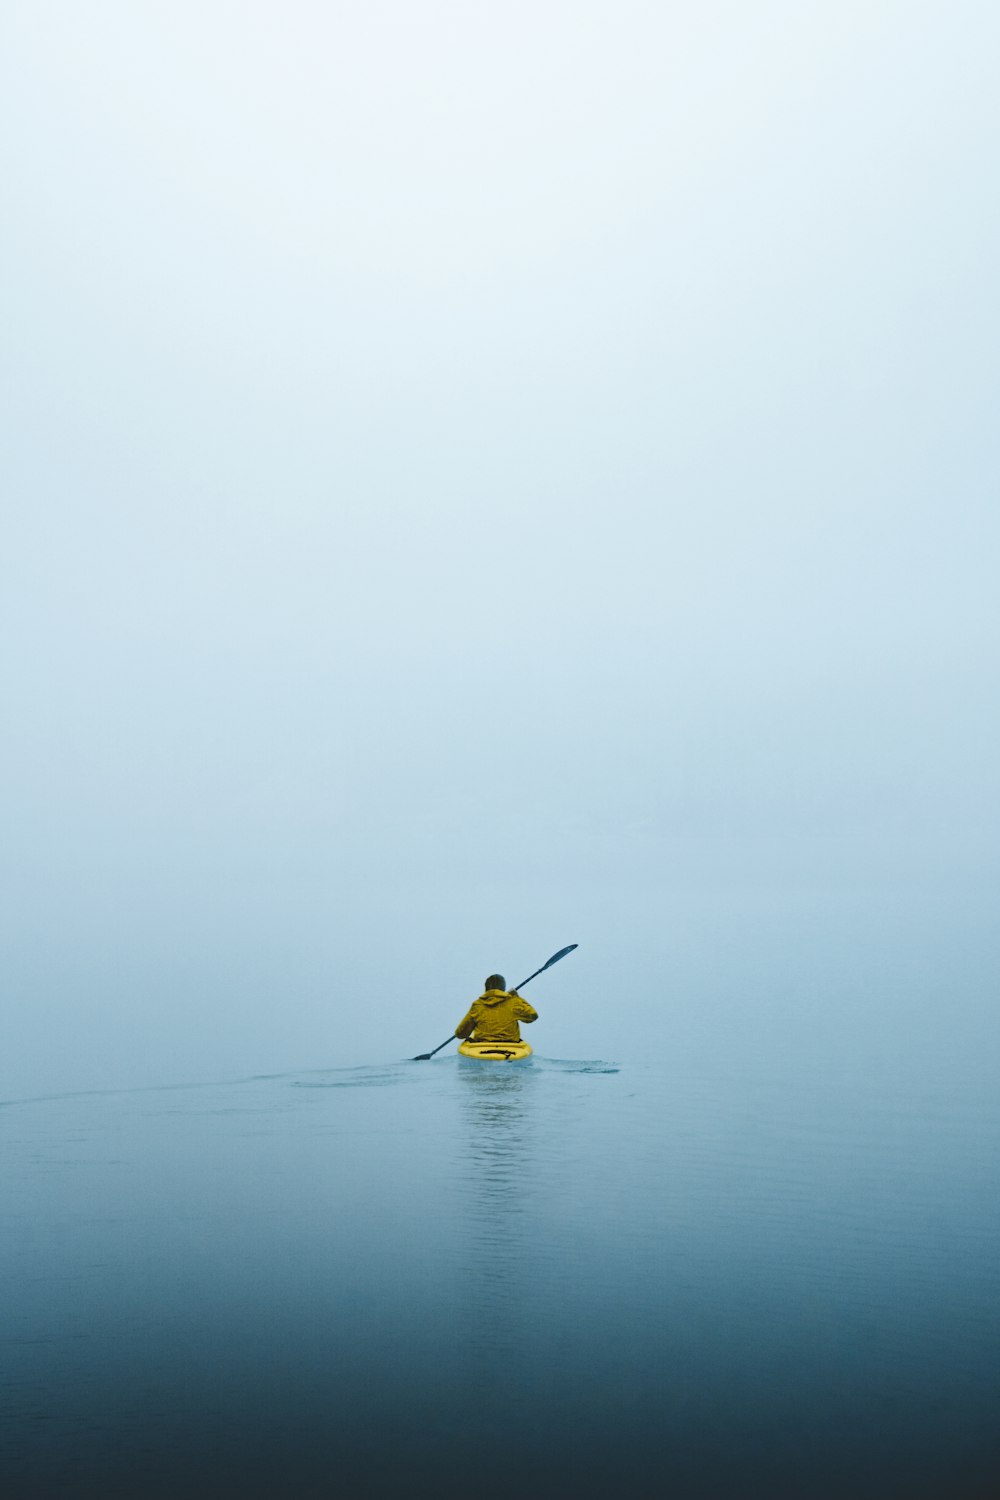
(545, 1278)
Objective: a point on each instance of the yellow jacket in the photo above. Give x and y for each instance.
(494, 1017)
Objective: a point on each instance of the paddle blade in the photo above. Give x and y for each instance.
(426, 1056)
(557, 956)
(553, 960)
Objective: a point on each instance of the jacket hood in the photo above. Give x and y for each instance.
(492, 997)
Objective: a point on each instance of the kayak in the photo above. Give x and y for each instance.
(495, 1051)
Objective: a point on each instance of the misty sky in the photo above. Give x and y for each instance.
(479, 477)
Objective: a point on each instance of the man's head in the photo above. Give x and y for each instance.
(496, 982)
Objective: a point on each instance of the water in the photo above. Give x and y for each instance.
(546, 1278)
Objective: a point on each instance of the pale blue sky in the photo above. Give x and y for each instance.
(478, 478)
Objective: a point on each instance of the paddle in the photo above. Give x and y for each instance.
(426, 1056)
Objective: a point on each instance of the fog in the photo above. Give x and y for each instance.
(479, 478)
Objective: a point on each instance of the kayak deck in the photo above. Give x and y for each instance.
(495, 1051)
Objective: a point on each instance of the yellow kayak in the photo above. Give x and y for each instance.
(495, 1051)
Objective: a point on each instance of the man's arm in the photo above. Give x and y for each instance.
(467, 1025)
(522, 1010)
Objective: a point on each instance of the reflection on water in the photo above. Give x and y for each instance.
(495, 1174)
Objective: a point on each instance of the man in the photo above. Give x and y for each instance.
(494, 1016)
